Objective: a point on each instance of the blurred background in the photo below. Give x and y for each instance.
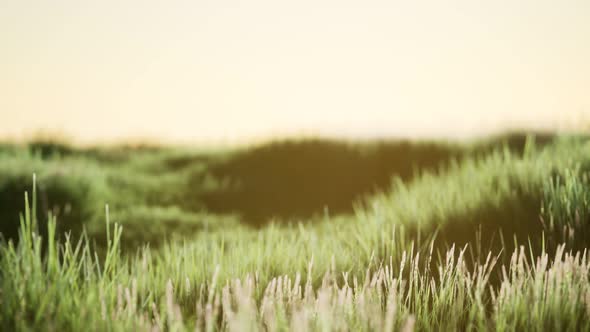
(234, 71)
(191, 116)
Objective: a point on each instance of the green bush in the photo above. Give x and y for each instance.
(73, 190)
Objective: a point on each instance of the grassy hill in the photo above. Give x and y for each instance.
(323, 234)
(282, 181)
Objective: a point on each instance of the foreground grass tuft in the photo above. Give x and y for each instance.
(70, 288)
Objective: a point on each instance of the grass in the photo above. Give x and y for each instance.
(492, 238)
(285, 181)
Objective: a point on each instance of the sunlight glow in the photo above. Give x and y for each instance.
(188, 71)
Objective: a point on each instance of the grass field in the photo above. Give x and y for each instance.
(298, 235)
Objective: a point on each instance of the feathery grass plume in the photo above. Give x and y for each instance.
(367, 271)
(65, 289)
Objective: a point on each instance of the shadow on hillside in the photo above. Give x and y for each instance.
(282, 181)
(502, 227)
(295, 180)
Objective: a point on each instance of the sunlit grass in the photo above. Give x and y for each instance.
(440, 253)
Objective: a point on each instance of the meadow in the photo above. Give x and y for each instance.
(299, 235)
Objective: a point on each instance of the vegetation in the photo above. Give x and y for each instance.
(488, 236)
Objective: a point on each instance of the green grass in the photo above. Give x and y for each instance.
(285, 181)
(491, 237)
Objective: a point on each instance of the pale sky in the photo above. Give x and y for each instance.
(219, 70)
